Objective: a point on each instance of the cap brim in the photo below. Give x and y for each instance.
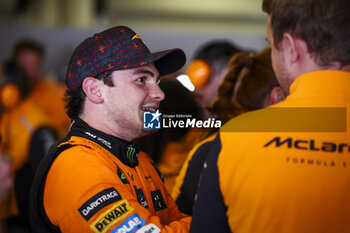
(168, 61)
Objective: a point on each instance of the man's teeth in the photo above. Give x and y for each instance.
(149, 109)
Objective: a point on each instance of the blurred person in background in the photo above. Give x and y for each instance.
(47, 93)
(207, 70)
(168, 147)
(249, 84)
(26, 135)
(285, 168)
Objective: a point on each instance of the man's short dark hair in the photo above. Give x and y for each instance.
(323, 24)
(28, 45)
(75, 98)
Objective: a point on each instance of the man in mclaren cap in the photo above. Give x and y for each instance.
(95, 179)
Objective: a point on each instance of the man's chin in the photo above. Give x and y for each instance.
(145, 132)
(149, 131)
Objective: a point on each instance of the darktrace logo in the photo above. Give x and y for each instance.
(151, 120)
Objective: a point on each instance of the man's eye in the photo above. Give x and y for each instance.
(140, 80)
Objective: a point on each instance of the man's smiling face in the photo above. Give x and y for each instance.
(135, 90)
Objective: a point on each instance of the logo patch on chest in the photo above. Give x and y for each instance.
(158, 200)
(122, 176)
(111, 216)
(141, 197)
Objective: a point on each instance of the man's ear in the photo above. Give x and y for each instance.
(295, 48)
(276, 96)
(291, 53)
(91, 87)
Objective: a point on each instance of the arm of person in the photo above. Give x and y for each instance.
(84, 194)
(209, 213)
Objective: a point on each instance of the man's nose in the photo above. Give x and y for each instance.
(157, 93)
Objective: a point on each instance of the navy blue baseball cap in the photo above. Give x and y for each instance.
(118, 48)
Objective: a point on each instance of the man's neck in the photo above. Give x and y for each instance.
(97, 122)
(337, 66)
(345, 68)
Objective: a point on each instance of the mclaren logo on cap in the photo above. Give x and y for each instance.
(137, 36)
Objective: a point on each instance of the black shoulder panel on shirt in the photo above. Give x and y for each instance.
(189, 186)
(39, 221)
(209, 213)
(40, 142)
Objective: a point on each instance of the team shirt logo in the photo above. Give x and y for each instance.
(130, 153)
(122, 176)
(141, 197)
(111, 216)
(149, 228)
(130, 224)
(158, 200)
(98, 201)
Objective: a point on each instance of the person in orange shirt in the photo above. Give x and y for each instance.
(47, 93)
(96, 179)
(26, 135)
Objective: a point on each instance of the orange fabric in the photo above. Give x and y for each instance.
(17, 126)
(86, 170)
(289, 178)
(174, 156)
(48, 94)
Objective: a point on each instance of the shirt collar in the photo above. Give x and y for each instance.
(122, 149)
(324, 83)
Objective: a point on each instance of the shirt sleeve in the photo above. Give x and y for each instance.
(188, 189)
(209, 213)
(94, 199)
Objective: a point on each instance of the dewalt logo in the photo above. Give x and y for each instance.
(111, 216)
